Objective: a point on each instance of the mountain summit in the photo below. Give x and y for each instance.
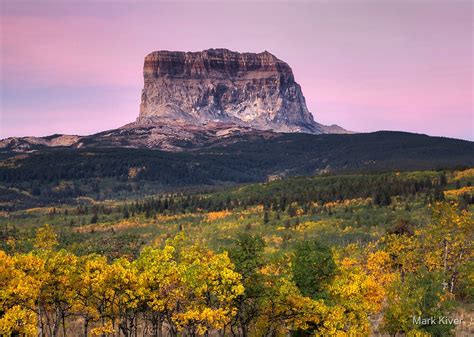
(195, 99)
(219, 85)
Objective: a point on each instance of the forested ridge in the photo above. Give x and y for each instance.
(246, 159)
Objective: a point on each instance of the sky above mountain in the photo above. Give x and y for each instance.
(76, 68)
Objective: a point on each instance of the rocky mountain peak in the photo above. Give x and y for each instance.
(196, 99)
(218, 85)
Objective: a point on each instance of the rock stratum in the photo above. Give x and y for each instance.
(219, 85)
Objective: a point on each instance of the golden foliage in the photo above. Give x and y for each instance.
(212, 216)
(454, 193)
(469, 173)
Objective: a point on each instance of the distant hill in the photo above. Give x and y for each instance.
(60, 174)
(245, 158)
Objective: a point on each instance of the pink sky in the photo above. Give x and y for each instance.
(365, 65)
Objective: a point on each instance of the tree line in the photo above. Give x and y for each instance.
(279, 196)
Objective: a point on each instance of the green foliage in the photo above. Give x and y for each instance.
(247, 254)
(421, 295)
(313, 268)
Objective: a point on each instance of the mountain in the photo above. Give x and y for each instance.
(219, 85)
(192, 98)
(234, 117)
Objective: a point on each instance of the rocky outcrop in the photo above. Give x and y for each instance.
(255, 90)
(194, 100)
(176, 136)
(24, 144)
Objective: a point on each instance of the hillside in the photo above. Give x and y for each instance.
(59, 174)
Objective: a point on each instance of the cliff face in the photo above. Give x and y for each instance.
(256, 90)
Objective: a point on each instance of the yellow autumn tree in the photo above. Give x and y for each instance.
(55, 281)
(448, 242)
(124, 307)
(186, 288)
(46, 238)
(108, 295)
(38, 289)
(18, 293)
(94, 298)
(160, 285)
(404, 252)
(57, 289)
(286, 310)
(358, 293)
(210, 286)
